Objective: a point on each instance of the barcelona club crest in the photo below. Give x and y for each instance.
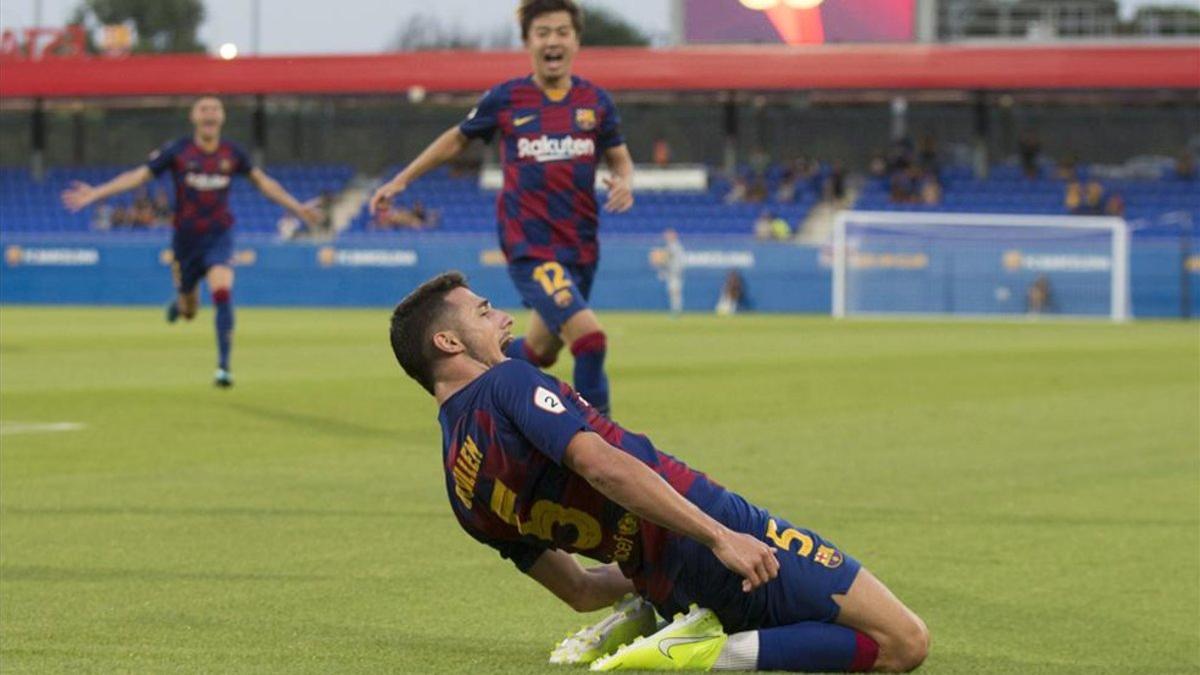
(828, 556)
(225, 165)
(585, 119)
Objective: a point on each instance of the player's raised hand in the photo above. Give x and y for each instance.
(382, 199)
(78, 196)
(747, 557)
(620, 195)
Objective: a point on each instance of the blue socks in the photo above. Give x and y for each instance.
(223, 302)
(518, 349)
(590, 380)
(812, 646)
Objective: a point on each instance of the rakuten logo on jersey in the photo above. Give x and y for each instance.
(206, 181)
(546, 149)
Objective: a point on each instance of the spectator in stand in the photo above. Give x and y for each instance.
(1084, 199)
(737, 192)
(121, 217)
(770, 226)
(878, 166)
(1093, 198)
(1068, 167)
(1073, 196)
(757, 192)
(834, 187)
(142, 210)
(661, 153)
(762, 225)
(1029, 147)
(931, 189)
(1114, 205)
(786, 194)
(291, 227)
(102, 217)
(416, 217)
(906, 185)
(163, 212)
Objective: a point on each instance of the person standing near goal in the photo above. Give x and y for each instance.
(554, 129)
(672, 270)
(203, 166)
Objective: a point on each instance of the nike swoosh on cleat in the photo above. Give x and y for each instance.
(667, 644)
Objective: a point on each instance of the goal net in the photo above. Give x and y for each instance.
(973, 264)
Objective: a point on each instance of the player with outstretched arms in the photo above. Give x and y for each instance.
(536, 472)
(203, 166)
(554, 129)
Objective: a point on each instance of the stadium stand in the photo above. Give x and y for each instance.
(467, 208)
(1006, 190)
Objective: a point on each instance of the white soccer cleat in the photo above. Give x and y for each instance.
(632, 617)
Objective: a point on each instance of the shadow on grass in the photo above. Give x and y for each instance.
(298, 421)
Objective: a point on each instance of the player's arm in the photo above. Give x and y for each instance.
(271, 189)
(620, 184)
(443, 149)
(81, 195)
(630, 483)
(585, 589)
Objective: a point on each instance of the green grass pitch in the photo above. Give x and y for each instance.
(1031, 489)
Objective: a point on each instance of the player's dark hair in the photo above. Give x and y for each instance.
(532, 9)
(413, 322)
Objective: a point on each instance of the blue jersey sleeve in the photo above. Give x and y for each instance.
(483, 119)
(242, 162)
(609, 134)
(531, 399)
(160, 160)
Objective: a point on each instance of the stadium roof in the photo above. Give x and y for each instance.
(893, 67)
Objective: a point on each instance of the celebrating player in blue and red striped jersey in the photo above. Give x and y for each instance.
(534, 471)
(202, 166)
(554, 129)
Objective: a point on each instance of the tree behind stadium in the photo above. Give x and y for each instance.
(162, 25)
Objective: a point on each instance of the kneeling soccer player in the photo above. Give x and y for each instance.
(536, 472)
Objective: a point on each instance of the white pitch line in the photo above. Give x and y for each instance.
(12, 428)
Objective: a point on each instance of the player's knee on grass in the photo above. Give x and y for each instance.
(905, 648)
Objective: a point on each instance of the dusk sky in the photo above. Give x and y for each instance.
(324, 26)
(344, 26)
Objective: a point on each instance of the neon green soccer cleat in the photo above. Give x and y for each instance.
(691, 642)
(631, 618)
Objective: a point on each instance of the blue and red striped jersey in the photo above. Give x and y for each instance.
(549, 151)
(202, 181)
(503, 440)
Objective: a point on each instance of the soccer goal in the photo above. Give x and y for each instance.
(974, 264)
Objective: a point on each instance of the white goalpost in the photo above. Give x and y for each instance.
(975, 264)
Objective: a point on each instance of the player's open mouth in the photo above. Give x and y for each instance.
(506, 341)
(553, 58)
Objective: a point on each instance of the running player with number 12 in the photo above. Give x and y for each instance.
(554, 128)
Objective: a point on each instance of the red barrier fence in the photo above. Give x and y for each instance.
(894, 67)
